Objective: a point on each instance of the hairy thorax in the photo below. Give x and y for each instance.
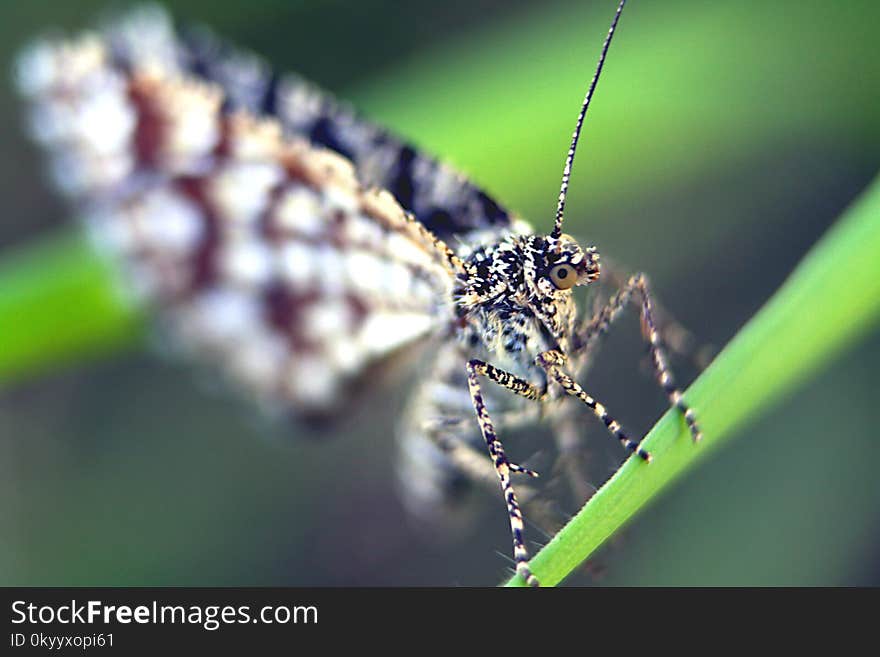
(507, 318)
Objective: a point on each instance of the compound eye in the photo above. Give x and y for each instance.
(563, 276)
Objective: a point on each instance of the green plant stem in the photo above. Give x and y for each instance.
(59, 303)
(831, 299)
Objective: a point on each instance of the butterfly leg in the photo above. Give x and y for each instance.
(552, 362)
(440, 451)
(503, 467)
(675, 337)
(471, 463)
(637, 287)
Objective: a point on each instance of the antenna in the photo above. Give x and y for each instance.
(566, 172)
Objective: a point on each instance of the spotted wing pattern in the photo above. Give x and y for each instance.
(441, 198)
(260, 238)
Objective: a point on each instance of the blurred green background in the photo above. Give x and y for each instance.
(724, 139)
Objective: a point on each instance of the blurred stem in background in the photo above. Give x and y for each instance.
(668, 106)
(60, 301)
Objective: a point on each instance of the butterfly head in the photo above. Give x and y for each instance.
(564, 264)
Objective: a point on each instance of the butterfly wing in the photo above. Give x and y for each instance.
(441, 198)
(263, 247)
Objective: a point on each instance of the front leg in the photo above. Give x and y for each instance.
(503, 467)
(551, 362)
(637, 287)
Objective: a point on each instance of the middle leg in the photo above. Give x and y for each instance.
(552, 362)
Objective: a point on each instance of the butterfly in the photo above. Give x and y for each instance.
(295, 245)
